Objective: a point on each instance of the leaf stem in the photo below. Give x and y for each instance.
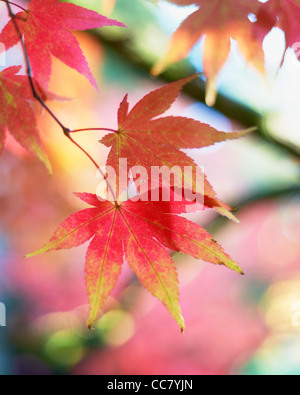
(94, 129)
(67, 132)
(14, 4)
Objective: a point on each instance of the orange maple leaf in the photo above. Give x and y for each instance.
(138, 232)
(145, 140)
(17, 115)
(47, 27)
(218, 21)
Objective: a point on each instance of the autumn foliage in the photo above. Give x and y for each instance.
(140, 231)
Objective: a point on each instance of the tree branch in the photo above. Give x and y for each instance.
(232, 109)
(266, 195)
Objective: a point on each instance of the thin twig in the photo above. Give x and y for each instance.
(29, 72)
(67, 132)
(94, 129)
(14, 4)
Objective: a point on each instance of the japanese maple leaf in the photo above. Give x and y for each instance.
(17, 115)
(284, 14)
(46, 27)
(146, 141)
(218, 21)
(138, 232)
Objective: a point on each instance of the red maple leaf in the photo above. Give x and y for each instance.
(17, 114)
(138, 232)
(147, 141)
(284, 14)
(218, 21)
(46, 27)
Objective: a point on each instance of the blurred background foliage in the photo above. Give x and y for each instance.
(235, 325)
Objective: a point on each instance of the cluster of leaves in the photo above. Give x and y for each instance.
(45, 29)
(221, 21)
(139, 231)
